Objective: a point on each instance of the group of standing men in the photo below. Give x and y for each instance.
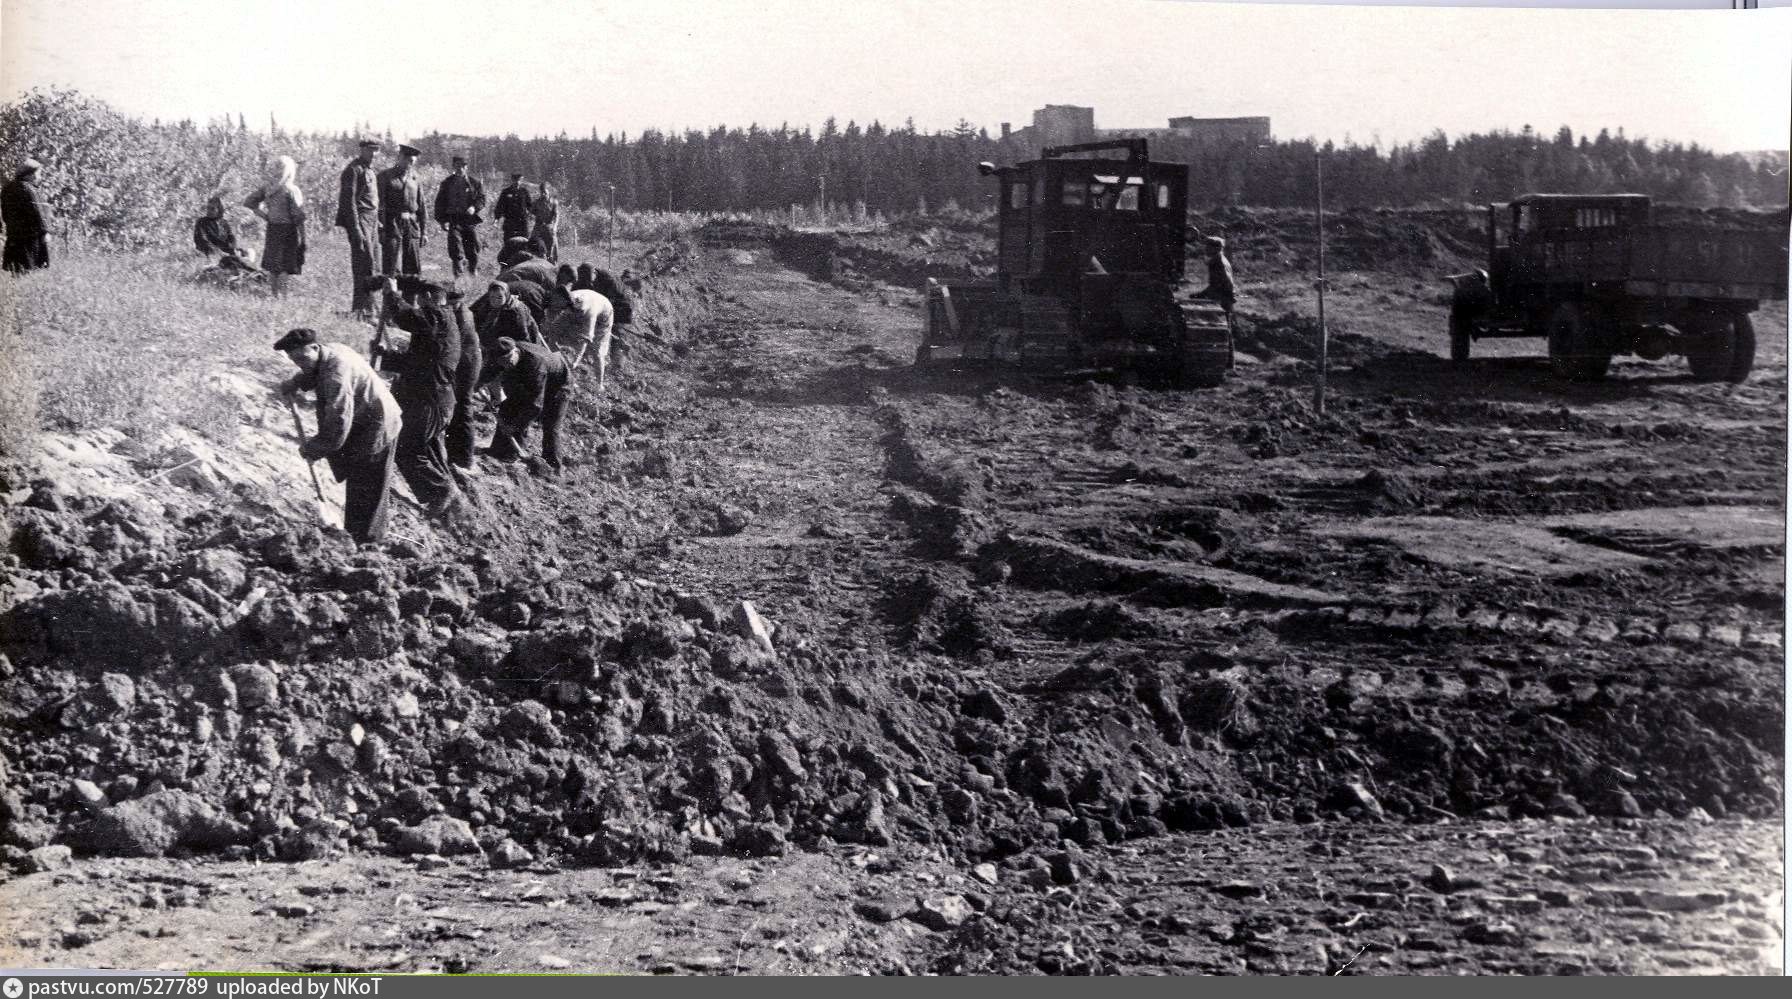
(525, 336)
(384, 211)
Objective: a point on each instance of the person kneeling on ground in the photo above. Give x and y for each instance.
(535, 380)
(228, 262)
(358, 425)
(581, 322)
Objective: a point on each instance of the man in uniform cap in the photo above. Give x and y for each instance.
(402, 215)
(358, 424)
(358, 214)
(459, 201)
(425, 387)
(514, 208)
(27, 221)
(535, 380)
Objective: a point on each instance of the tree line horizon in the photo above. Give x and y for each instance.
(111, 170)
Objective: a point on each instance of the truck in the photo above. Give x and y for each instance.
(1598, 276)
(1090, 257)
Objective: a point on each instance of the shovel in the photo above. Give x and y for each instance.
(324, 512)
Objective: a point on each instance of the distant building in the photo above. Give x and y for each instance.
(1064, 124)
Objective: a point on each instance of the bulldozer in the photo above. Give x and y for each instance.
(1090, 256)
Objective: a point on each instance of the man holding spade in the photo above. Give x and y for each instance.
(358, 425)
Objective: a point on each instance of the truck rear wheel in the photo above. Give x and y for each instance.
(1727, 351)
(1573, 353)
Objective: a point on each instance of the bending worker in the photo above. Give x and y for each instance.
(535, 381)
(580, 322)
(358, 425)
(425, 388)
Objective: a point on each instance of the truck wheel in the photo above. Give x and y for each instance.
(1460, 338)
(1742, 348)
(1714, 358)
(1572, 355)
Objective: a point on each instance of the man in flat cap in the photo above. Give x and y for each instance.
(358, 426)
(27, 220)
(358, 214)
(1219, 275)
(426, 370)
(402, 215)
(514, 208)
(459, 201)
(535, 380)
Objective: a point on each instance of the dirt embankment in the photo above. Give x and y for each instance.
(1087, 634)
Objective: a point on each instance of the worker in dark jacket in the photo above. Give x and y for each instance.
(515, 248)
(27, 221)
(358, 426)
(459, 201)
(547, 223)
(459, 436)
(1219, 275)
(535, 379)
(532, 267)
(515, 208)
(498, 314)
(533, 296)
(425, 388)
(604, 283)
(402, 215)
(358, 215)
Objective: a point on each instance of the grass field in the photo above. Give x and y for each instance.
(127, 340)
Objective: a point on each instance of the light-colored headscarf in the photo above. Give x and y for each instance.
(284, 177)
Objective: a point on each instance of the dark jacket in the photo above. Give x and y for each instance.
(23, 211)
(401, 191)
(513, 208)
(532, 269)
(460, 199)
(214, 235)
(357, 418)
(512, 319)
(538, 370)
(426, 370)
(605, 284)
(359, 194)
(533, 296)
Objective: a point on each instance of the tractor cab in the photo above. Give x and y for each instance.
(1071, 213)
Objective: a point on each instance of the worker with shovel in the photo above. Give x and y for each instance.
(536, 381)
(358, 426)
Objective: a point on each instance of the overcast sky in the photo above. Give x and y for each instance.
(1718, 77)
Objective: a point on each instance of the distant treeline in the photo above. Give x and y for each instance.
(125, 181)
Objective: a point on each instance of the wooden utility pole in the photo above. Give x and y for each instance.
(1319, 216)
(612, 190)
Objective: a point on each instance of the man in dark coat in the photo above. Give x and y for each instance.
(535, 380)
(358, 215)
(533, 296)
(424, 389)
(459, 437)
(358, 426)
(27, 221)
(514, 208)
(402, 215)
(515, 248)
(534, 268)
(459, 201)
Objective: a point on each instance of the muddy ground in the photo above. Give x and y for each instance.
(1475, 671)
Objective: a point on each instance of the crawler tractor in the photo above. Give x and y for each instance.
(1090, 254)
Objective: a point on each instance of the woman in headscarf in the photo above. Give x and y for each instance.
(213, 235)
(281, 205)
